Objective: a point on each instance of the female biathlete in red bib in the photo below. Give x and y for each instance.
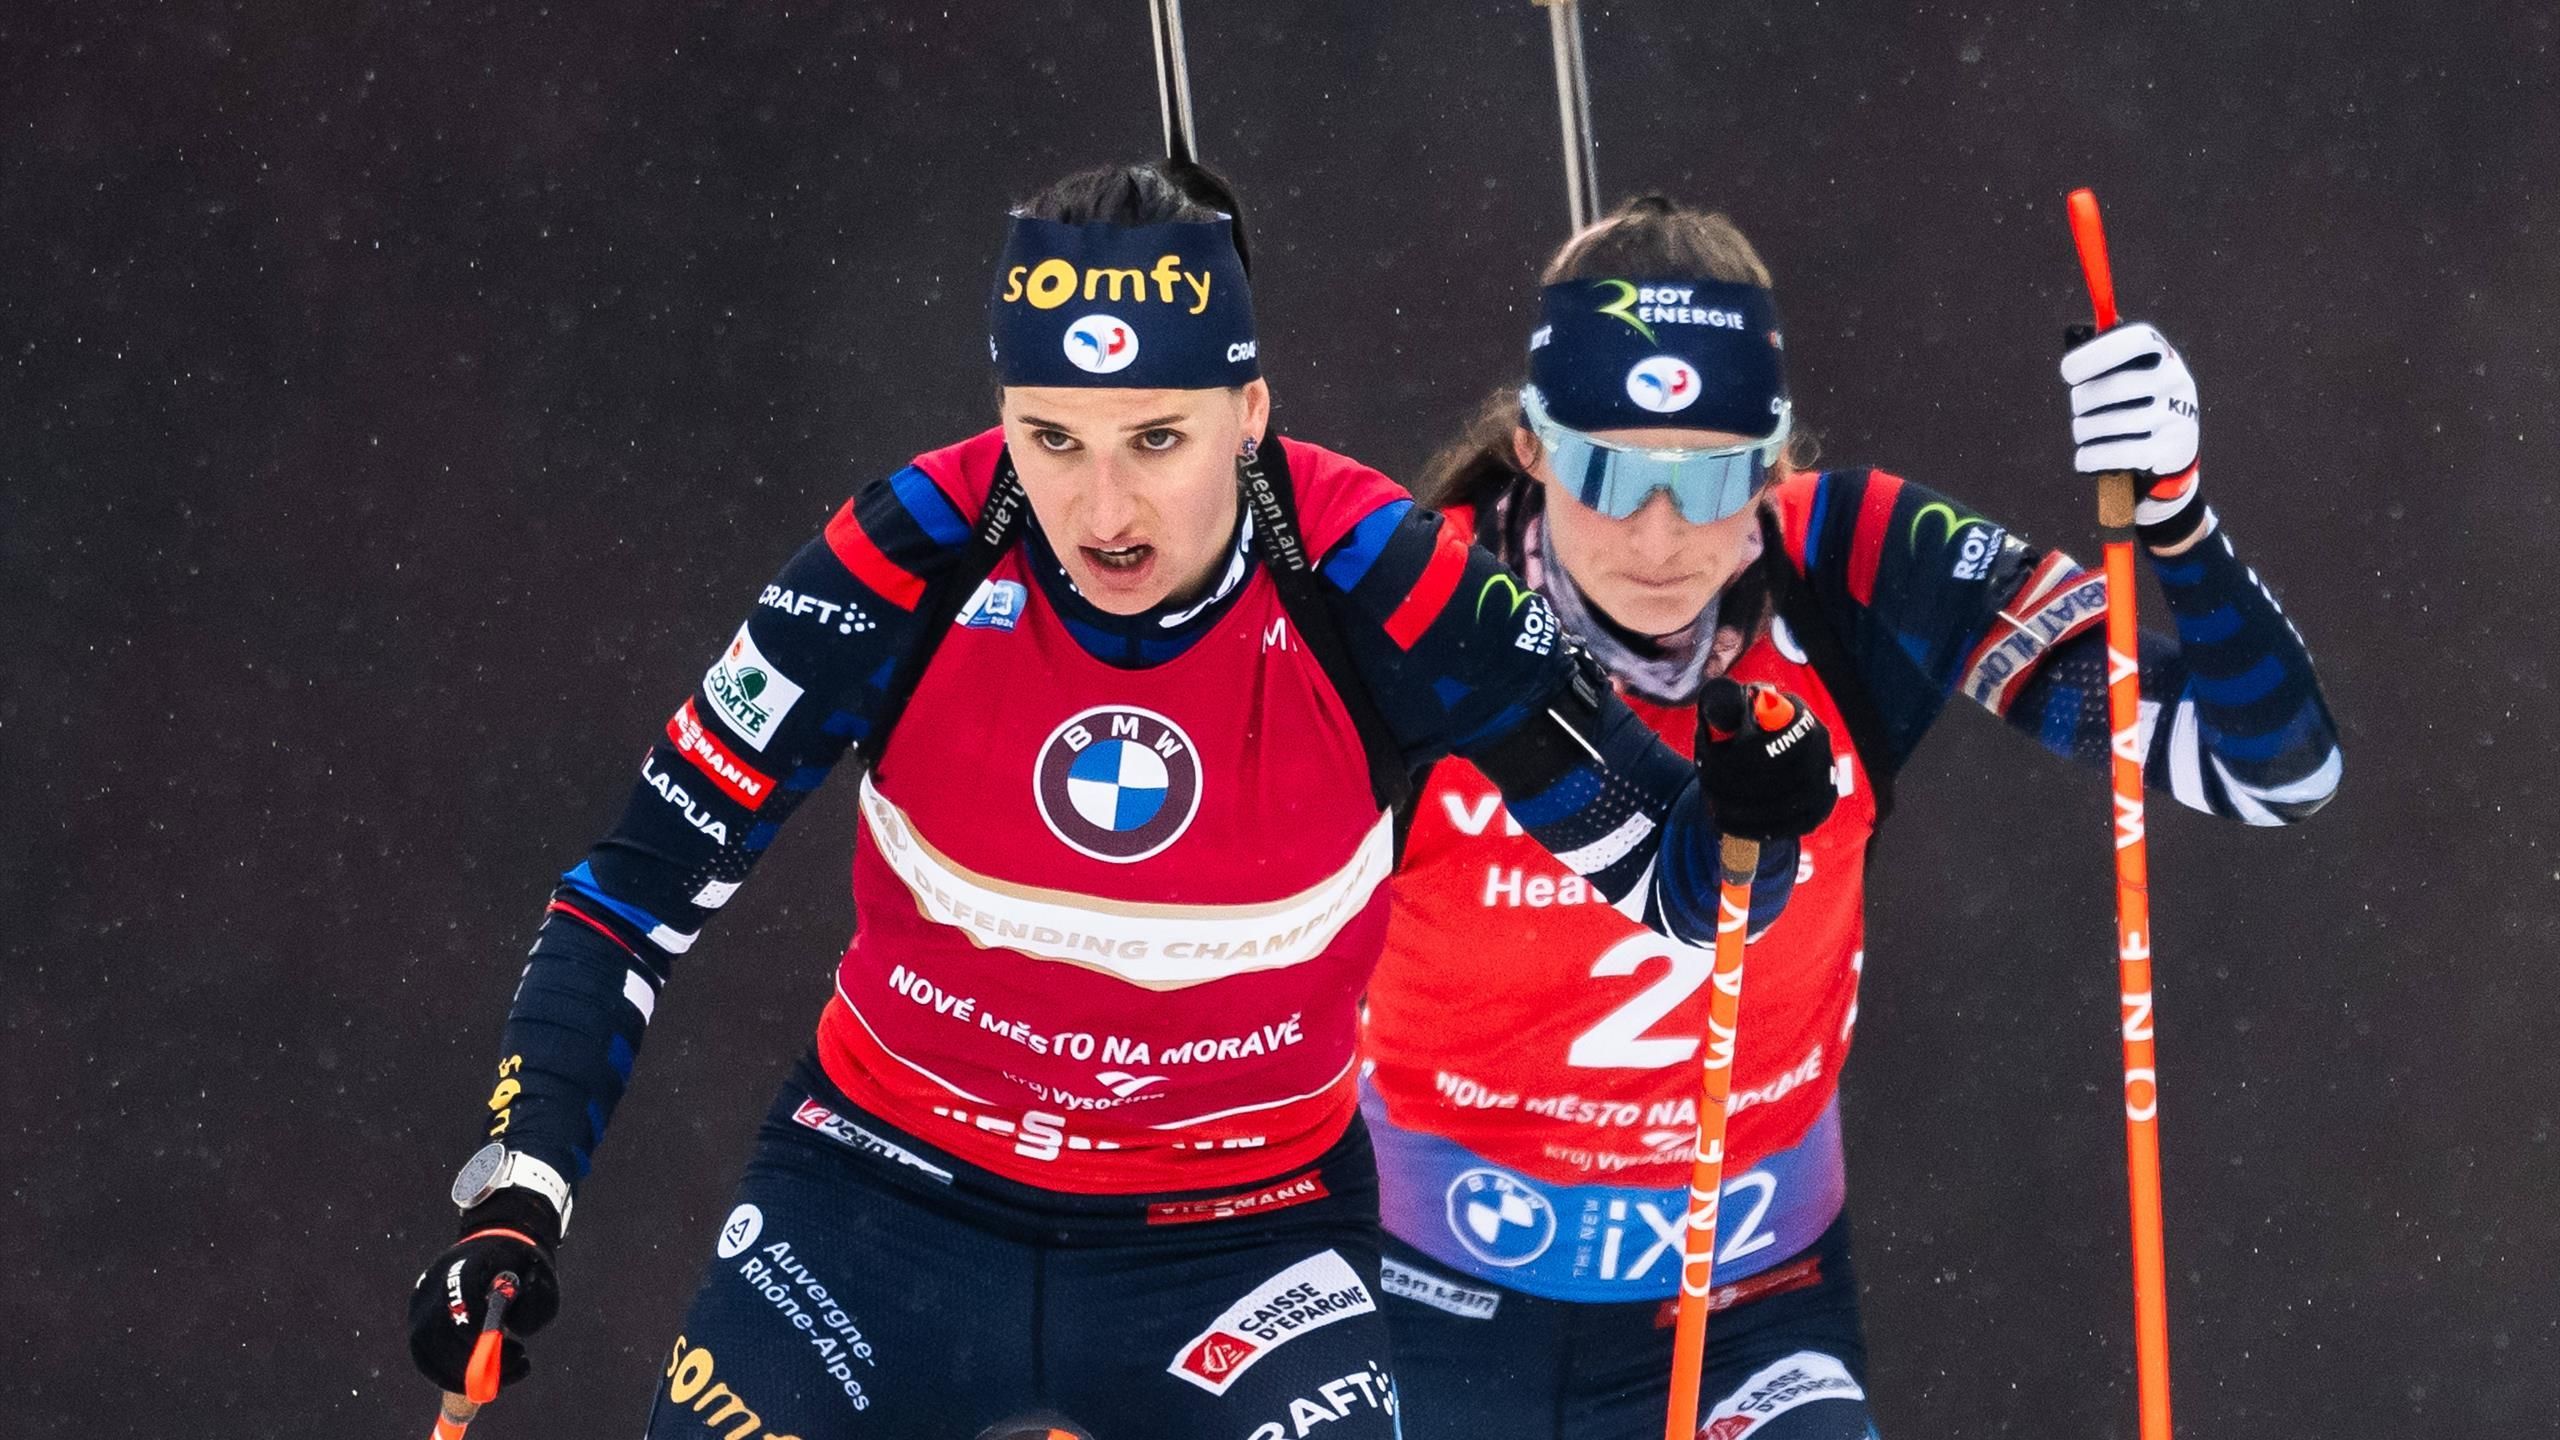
(1131, 686)
(1535, 1055)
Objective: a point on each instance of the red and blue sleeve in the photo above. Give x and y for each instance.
(804, 677)
(1933, 600)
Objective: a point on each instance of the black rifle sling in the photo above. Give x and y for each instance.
(1830, 660)
(1267, 488)
(940, 608)
(1275, 505)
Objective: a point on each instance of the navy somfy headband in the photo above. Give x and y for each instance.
(1137, 307)
(1643, 354)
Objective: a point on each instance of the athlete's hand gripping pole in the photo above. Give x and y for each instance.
(480, 1385)
(1771, 713)
(2116, 499)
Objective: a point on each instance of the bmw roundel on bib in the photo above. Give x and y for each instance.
(1500, 1218)
(1117, 783)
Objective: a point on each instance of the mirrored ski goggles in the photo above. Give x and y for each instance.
(1617, 480)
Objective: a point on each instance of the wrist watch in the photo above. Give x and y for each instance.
(493, 1167)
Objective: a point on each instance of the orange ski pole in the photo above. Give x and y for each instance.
(2116, 499)
(480, 1380)
(1740, 860)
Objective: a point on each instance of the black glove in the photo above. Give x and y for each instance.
(452, 1297)
(1763, 784)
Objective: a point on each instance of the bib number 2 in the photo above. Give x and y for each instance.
(1618, 1042)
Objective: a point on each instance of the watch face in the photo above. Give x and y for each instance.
(478, 1173)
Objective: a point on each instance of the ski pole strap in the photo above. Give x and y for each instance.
(1265, 473)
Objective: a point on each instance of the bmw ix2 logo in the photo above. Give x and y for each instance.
(1500, 1218)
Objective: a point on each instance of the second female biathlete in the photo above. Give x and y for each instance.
(1535, 1082)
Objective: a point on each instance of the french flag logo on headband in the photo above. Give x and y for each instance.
(1101, 345)
(1664, 384)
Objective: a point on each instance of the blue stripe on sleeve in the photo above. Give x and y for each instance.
(1565, 798)
(2210, 628)
(583, 880)
(1349, 564)
(2255, 683)
(1813, 527)
(924, 500)
(2175, 574)
(2269, 745)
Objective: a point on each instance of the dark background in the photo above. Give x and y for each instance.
(399, 402)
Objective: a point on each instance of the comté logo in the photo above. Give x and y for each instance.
(1217, 1356)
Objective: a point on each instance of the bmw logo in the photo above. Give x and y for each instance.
(1117, 783)
(1101, 344)
(1500, 1218)
(1664, 384)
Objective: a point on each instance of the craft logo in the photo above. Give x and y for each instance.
(1663, 384)
(1117, 783)
(1309, 1295)
(749, 691)
(1101, 345)
(1499, 1218)
(743, 1226)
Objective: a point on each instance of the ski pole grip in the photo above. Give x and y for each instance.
(454, 1416)
(1741, 859)
(2116, 489)
(2090, 236)
(2116, 499)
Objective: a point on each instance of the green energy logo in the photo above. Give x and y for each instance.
(1519, 597)
(1623, 308)
(1952, 523)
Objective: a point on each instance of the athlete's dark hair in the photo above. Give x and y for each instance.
(1154, 193)
(1647, 237)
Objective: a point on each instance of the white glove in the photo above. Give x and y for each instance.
(2133, 407)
